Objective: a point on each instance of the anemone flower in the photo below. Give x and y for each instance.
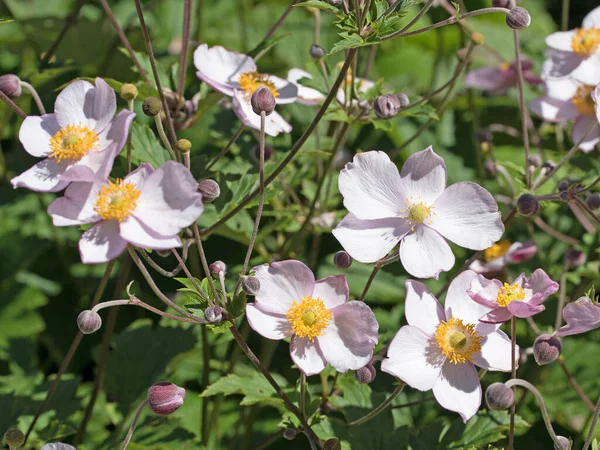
(58, 446)
(498, 79)
(581, 316)
(306, 95)
(503, 253)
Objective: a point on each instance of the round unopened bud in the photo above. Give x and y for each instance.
(342, 260)
(503, 4)
(183, 146)
(489, 167)
(386, 106)
(128, 92)
(262, 100)
(518, 18)
(164, 398)
(256, 152)
(11, 85)
(528, 205)
(366, 374)
(332, 444)
(404, 100)
(574, 258)
(151, 106)
(562, 443)
(498, 396)
(534, 160)
(217, 268)
(251, 285)
(209, 189)
(546, 349)
(593, 201)
(290, 434)
(14, 438)
(316, 51)
(564, 195)
(477, 38)
(484, 135)
(214, 314)
(89, 321)
(548, 167)
(563, 185)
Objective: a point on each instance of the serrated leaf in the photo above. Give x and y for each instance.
(320, 5)
(254, 387)
(349, 40)
(237, 305)
(220, 328)
(145, 146)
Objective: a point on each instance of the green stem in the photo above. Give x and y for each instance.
(387, 402)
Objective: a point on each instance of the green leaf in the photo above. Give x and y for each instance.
(349, 40)
(145, 146)
(485, 428)
(320, 5)
(237, 305)
(254, 387)
(220, 328)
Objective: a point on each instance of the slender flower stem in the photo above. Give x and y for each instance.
(163, 137)
(387, 402)
(584, 206)
(522, 106)
(185, 40)
(227, 147)
(513, 376)
(34, 94)
(130, 108)
(159, 269)
(190, 276)
(69, 22)
(590, 435)
(562, 297)
(376, 269)
(564, 20)
(133, 425)
(204, 425)
(302, 393)
(12, 105)
(134, 301)
(203, 260)
(573, 382)
(415, 19)
(277, 24)
(554, 233)
(418, 402)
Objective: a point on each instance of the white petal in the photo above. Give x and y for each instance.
(592, 19)
(553, 110)
(139, 176)
(561, 40)
(332, 290)
(414, 357)
(274, 123)
(101, 243)
(424, 253)
(220, 68)
(458, 389)
(495, 352)
(306, 95)
(579, 130)
(77, 205)
(135, 232)
(288, 91)
(307, 355)
(560, 64)
(424, 176)
(271, 326)
(45, 176)
(35, 134)
(58, 446)
(561, 88)
(421, 308)
(458, 302)
(82, 103)
(587, 72)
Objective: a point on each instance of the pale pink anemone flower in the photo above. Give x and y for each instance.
(413, 208)
(581, 316)
(235, 74)
(498, 79)
(147, 208)
(58, 446)
(440, 349)
(523, 298)
(567, 99)
(306, 95)
(503, 253)
(79, 141)
(575, 52)
(324, 326)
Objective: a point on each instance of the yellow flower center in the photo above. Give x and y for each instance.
(585, 41)
(251, 81)
(509, 293)
(416, 212)
(308, 318)
(505, 66)
(117, 201)
(458, 340)
(583, 100)
(72, 142)
(497, 250)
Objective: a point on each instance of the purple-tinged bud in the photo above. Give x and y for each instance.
(214, 314)
(165, 398)
(251, 285)
(563, 185)
(256, 152)
(404, 100)
(89, 321)
(128, 92)
(535, 160)
(366, 374)
(528, 205)
(217, 268)
(593, 201)
(484, 135)
(332, 444)
(489, 167)
(574, 258)
(562, 443)
(11, 85)
(151, 106)
(316, 51)
(386, 106)
(342, 260)
(209, 189)
(564, 195)
(518, 18)
(262, 100)
(498, 396)
(509, 4)
(548, 167)
(290, 434)
(546, 349)
(14, 438)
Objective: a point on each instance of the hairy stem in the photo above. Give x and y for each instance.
(36, 97)
(133, 425)
(387, 402)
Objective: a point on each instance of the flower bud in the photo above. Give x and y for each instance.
(256, 152)
(366, 374)
(548, 167)
(564, 195)
(11, 85)
(217, 268)
(14, 438)
(386, 106)
(404, 100)
(251, 285)
(290, 434)
(503, 4)
(498, 396)
(128, 92)
(183, 146)
(151, 106)
(563, 185)
(214, 314)
(89, 321)
(574, 258)
(164, 398)
(593, 201)
(518, 18)
(209, 189)
(562, 443)
(332, 444)
(528, 205)
(477, 38)
(316, 51)
(262, 100)
(535, 160)
(342, 260)
(546, 349)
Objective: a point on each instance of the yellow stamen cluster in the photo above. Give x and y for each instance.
(251, 81)
(497, 250)
(416, 211)
(458, 340)
(505, 66)
(585, 41)
(509, 293)
(72, 143)
(583, 100)
(117, 201)
(308, 318)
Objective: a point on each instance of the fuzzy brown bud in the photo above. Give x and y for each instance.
(217, 268)
(518, 18)
(574, 258)
(366, 374)
(404, 100)
(209, 189)
(165, 398)
(562, 443)
(290, 434)
(251, 285)
(262, 100)
(316, 51)
(528, 205)
(214, 314)
(89, 321)
(11, 85)
(593, 201)
(503, 4)
(128, 92)
(535, 160)
(342, 260)
(332, 444)
(183, 146)
(151, 106)
(14, 438)
(546, 349)
(498, 396)
(386, 106)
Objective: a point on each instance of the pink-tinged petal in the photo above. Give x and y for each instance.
(369, 240)
(521, 252)
(101, 243)
(307, 355)
(539, 287)
(282, 283)
(561, 40)
(306, 95)
(484, 291)
(587, 72)
(458, 389)
(58, 446)
(581, 127)
(421, 308)
(45, 176)
(468, 215)
(581, 317)
(349, 339)
(274, 123)
(560, 64)
(139, 176)
(489, 79)
(332, 290)
(553, 110)
(458, 302)
(220, 68)
(592, 19)
(415, 358)
(493, 266)
(531, 78)
(497, 316)
(135, 232)
(524, 309)
(371, 186)
(424, 176)
(115, 134)
(169, 200)
(495, 352)
(288, 91)
(82, 103)
(35, 134)
(424, 253)
(77, 205)
(271, 326)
